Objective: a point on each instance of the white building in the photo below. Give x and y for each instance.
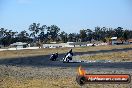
(114, 41)
(19, 45)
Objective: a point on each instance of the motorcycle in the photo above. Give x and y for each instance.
(67, 58)
(54, 57)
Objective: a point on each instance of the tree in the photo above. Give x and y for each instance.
(2, 32)
(37, 32)
(72, 37)
(2, 35)
(23, 36)
(97, 33)
(53, 32)
(89, 35)
(34, 28)
(83, 35)
(125, 35)
(63, 37)
(42, 36)
(7, 37)
(119, 32)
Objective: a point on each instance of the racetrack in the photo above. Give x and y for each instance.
(40, 72)
(44, 61)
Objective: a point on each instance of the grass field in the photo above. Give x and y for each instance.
(122, 56)
(59, 81)
(47, 51)
(59, 77)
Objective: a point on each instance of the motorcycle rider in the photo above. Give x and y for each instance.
(54, 56)
(68, 56)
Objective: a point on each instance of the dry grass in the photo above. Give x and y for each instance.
(24, 53)
(39, 83)
(116, 56)
(66, 82)
(9, 81)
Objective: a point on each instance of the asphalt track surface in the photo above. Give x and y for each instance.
(43, 61)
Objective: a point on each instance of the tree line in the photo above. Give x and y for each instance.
(41, 34)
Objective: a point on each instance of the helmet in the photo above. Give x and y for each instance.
(70, 51)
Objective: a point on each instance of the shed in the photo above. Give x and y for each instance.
(113, 40)
(20, 45)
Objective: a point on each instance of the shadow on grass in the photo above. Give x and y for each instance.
(43, 61)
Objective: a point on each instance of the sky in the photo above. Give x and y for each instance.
(69, 15)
